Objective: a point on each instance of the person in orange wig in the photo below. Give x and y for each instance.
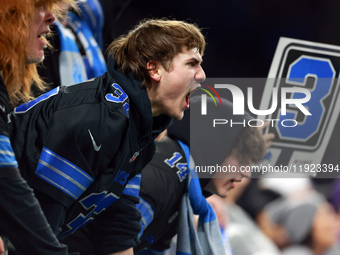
(24, 25)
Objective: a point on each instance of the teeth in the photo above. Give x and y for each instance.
(42, 35)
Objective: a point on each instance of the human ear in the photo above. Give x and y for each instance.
(153, 69)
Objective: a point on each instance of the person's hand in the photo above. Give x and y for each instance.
(2, 247)
(268, 138)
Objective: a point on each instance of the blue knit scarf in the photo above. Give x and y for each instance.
(73, 67)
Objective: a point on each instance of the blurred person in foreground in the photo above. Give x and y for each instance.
(299, 223)
(309, 221)
(23, 27)
(253, 201)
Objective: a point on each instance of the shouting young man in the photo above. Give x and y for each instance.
(78, 146)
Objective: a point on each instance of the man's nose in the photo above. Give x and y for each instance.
(200, 75)
(49, 17)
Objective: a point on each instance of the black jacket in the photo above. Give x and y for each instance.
(77, 147)
(163, 180)
(21, 218)
(162, 188)
(163, 185)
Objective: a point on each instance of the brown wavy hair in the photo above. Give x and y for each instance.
(15, 16)
(154, 39)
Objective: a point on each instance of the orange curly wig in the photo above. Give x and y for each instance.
(15, 16)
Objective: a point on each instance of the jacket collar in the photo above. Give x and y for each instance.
(140, 106)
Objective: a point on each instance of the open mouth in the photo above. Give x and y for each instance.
(42, 35)
(194, 88)
(43, 40)
(187, 99)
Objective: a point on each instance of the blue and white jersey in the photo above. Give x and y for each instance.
(71, 139)
(80, 145)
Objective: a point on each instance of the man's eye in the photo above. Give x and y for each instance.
(191, 63)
